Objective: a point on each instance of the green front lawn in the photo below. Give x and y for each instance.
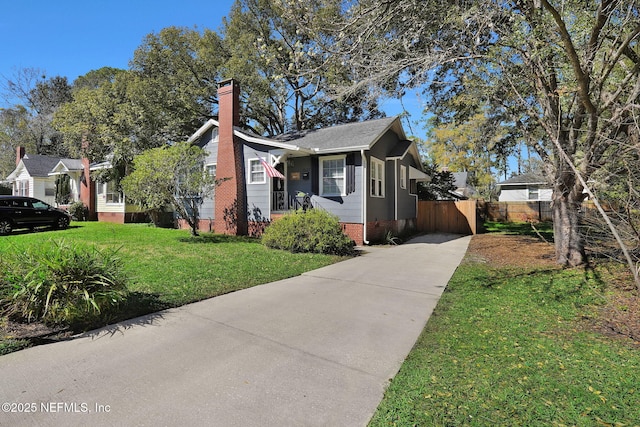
(508, 347)
(541, 229)
(169, 268)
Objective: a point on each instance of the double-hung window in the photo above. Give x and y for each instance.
(211, 169)
(377, 177)
(109, 191)
(332, 173)
(22, 187)
(257, 174)
(114, 195)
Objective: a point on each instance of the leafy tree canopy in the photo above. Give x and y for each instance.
(34, 98)
(281, 67)
(171, 176)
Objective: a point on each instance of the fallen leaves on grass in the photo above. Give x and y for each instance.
(619, 316)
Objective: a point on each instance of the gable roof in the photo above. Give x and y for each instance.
(346, 137)
(334, 139)
(40, 166)
(240, 133)
(36, 165)
(524, 179)
(66, 165)
(460, 179)
(339, 138)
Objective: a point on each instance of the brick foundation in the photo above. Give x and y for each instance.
(122, 218)
(354, 231)
(376, 230)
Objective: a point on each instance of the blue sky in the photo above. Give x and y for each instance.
(72, 37)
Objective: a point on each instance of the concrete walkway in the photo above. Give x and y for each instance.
(314, 350)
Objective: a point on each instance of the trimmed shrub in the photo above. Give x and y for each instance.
(61, 284)
(79, 211)
(315, 231)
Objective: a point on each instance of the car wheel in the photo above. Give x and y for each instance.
(6, 226)
(62, 223)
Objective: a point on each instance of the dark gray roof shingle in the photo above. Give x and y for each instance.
(38, 165)
(350, 135)
(525, 178)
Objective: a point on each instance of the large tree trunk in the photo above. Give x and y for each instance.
(567, 200)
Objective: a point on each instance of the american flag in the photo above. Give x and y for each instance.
(271, 171)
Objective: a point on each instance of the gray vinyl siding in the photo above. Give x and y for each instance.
(348, 208)
(378, 208)
(407, 203)
(207, 210)
(258, 194)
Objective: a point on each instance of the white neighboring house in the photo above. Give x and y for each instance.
(36, 175)
(110, 202)
(527, 187)
(463, 190)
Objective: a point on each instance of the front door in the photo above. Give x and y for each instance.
(279, 193)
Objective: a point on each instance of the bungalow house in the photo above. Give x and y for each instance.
(365, 173)
(54, 180)
(527, 187)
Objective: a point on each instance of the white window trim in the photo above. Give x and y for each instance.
(373, 175)
(209, 165)
(105, 193)
(343, 191)
(403, 177)
(535, 190)
(250, 177)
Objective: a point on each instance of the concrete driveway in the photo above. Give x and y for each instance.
(314, 350)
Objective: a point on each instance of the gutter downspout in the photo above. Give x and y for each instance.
(396, 188)
(364, 198)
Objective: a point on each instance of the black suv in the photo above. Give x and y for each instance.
(27, 212)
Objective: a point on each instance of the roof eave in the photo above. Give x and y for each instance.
(508, 184)
(205, 127)
(268, 142)
(337, 150)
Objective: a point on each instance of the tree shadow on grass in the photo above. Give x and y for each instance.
(218, 238)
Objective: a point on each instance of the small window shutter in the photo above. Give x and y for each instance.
(315, 175)
(350, 179)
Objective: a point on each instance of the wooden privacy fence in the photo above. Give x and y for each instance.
(445, 216)
(465, 216)
(539, 210)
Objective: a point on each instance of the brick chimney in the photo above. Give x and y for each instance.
(88, 190)
(20, 152)
(230, 196)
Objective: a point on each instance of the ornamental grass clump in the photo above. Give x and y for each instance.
(61, 284)
(314, 231)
